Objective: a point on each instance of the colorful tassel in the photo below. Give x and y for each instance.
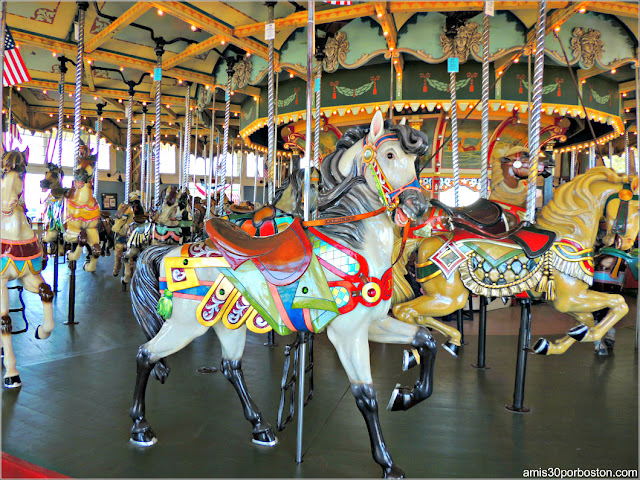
(165, 305)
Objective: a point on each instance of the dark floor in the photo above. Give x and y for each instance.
(71, 414)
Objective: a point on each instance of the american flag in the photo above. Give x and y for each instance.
(13, 130)
(15, 71)
(338, 2)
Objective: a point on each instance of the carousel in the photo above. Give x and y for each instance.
(397, 217)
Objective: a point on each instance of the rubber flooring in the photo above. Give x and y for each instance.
(71, 414)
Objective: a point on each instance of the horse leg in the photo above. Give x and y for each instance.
(36, 284)
(580, 303)
(174, 335)
(442, 297)
(117, 261)
(232, 343)
(93, 242)
(424, 348)
(349, 335)
(11, 377)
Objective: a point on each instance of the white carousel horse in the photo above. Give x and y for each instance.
(339, 273)
(21, 258)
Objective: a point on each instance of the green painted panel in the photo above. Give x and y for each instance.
(429, 82)
(294, 49)
(557, 84)
(259, 65)
(291, 97)
(349, 87)
(364, 36)
(422, 32)
(618, 42)
(248, 111)
(601, 94)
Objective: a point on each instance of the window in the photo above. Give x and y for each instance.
(252, 158)
(167, 158)
(34, 197)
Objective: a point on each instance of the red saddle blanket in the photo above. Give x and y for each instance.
(282, 258)
(534, 241)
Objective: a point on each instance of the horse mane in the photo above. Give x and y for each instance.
(573, 204)
(14, 160)
(402, 291)
(360, 198)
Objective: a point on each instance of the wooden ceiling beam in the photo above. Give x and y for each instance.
(111, 58)
(386, 21)
(114, 103)
(88, 73)
(621, 9)
(299, 19)
(627, 86)
(191, 51)
(128, 17)
(198, 19)
(464, 5)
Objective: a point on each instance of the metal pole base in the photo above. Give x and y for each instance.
(72, 294)
(271, 340)
(524, 339)
(460, 325)
(482, 335)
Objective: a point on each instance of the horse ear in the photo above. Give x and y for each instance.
(26, 155)
(377, 127)
(403, 121)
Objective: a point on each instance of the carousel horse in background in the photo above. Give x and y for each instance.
(289, 203)
(333, 275)
(126, 214)
(21, 258)
(471, 250)
(616, 259)
(54, 210)
(162, 228)
(105, 230)
(509, 175)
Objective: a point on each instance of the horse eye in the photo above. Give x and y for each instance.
(390, 156)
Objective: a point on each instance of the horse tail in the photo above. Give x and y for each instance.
(402, 291)
(145, 293)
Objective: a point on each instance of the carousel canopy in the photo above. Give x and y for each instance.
(373, 52)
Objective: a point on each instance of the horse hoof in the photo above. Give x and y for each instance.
(266, 438)
(393, 472)
(578, 332)
(602, 352)
(541, 347)
(609, 343)
(400, 399)
(12, 382)
(451, 348)
(409, 360)
(141, 441)
(41, 336)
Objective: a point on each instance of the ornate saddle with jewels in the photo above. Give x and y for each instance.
(282, 258)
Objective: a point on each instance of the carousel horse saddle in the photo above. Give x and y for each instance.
(104, 214)
(141, 218)
(282, 258)
(483, 214)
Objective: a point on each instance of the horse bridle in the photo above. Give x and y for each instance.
(622, 215)
(387, 193)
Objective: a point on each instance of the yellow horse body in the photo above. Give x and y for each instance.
(564, 272)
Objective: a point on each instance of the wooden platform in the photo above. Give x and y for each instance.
(71, 414)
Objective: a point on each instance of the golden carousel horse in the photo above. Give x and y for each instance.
(80, 211)
(126, 214)
(54, 208)
(21, 258)
(471, 251)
